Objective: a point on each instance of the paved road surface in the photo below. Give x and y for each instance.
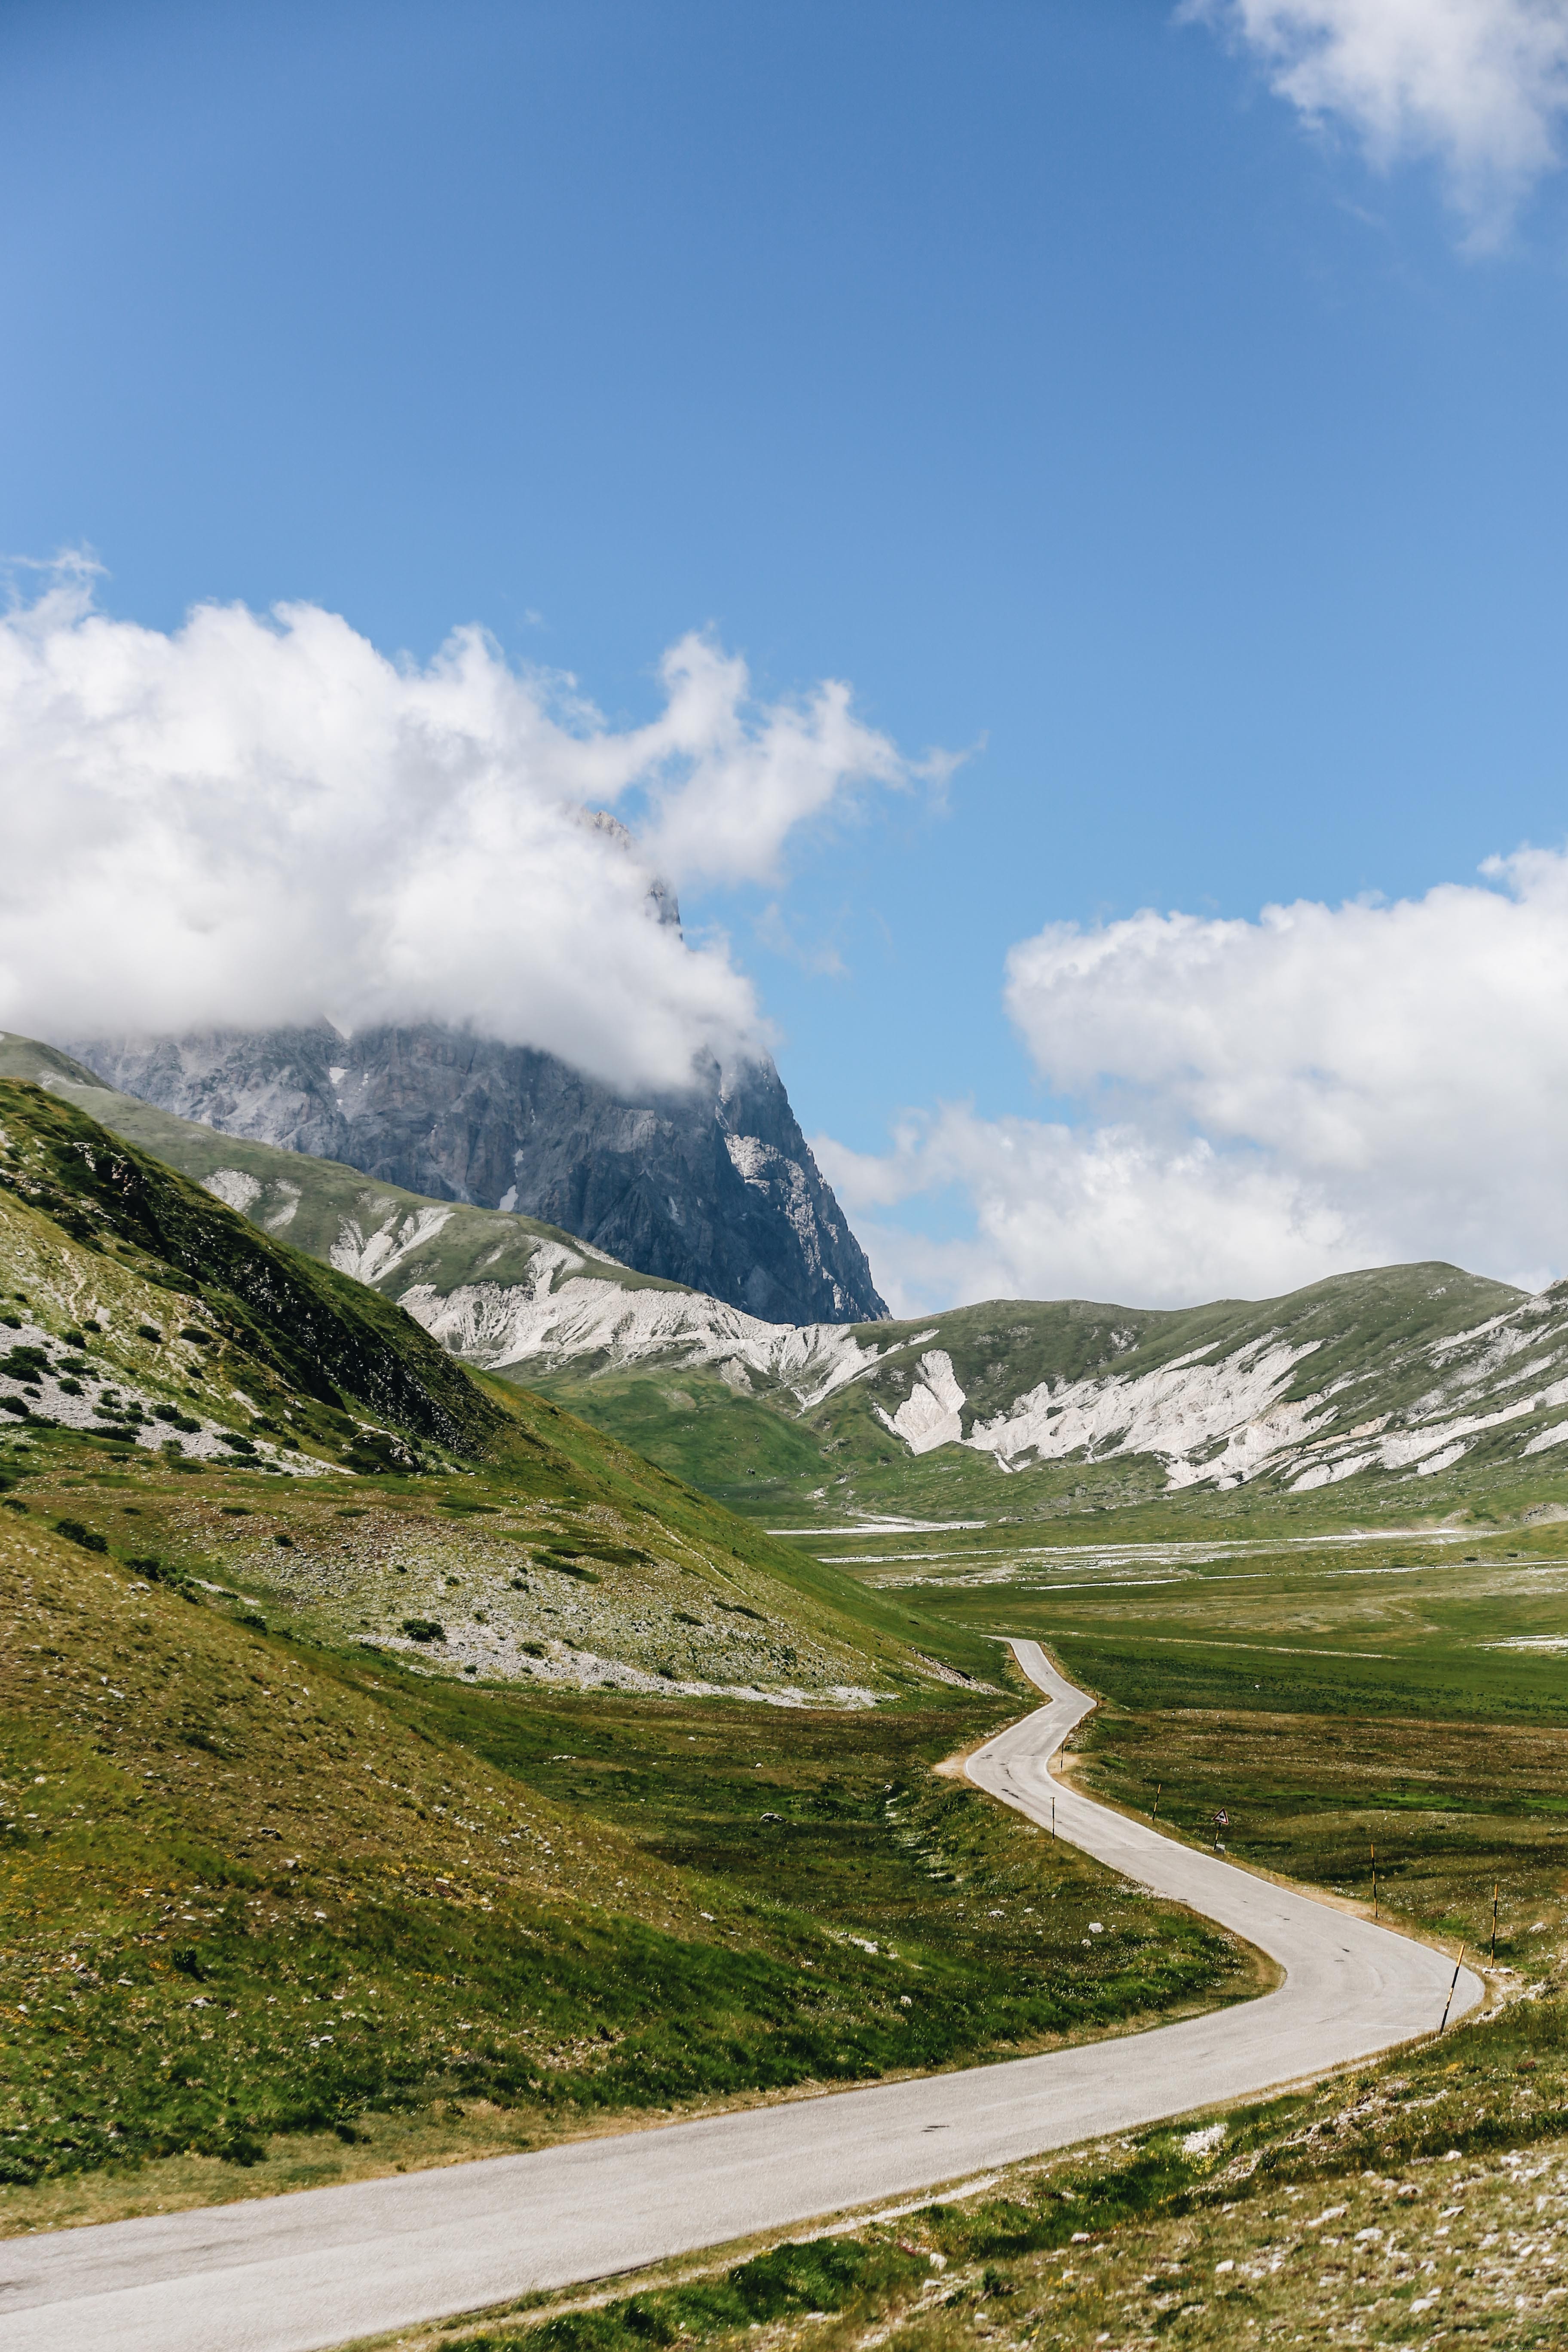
(299, 2272)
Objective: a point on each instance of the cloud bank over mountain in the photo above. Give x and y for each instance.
(1480, 86)
(1248, 1106)
(255, 819)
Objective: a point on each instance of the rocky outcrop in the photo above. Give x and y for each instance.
(716, 1189)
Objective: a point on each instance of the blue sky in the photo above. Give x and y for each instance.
(1041, 369)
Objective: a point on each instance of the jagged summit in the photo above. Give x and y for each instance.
(716, 1189)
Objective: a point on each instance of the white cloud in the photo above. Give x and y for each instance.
(1109, 1213)
(254, 820)
(1260, 1104)
(1480, 85)
(728, 794)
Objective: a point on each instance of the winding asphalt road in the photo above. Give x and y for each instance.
(299, 2272)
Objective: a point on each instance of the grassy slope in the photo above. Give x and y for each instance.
(92, 1223)
(839, 1464)
(1365, 1329)
(290, 1324)
(1003, 1346)
(253, 1888)
(1421, 2201)
(267, 1891)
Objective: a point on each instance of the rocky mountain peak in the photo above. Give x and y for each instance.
(660, 900)
(715, 1187)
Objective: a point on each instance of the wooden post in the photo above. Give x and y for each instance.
(1155, 1814)
(1448, 2004)
(1053, 1812)
(1373, 1849)
(1494, 1921)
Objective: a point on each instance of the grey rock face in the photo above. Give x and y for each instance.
(717, 1189)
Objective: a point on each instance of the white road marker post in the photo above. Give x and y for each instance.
(1448, 2004)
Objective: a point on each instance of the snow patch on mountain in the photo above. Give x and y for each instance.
(930, 1414)
(1436, 1444)
(240, 1191)
(372, 1257)
(277, 1218)
(555, 1317)
(1229, 1422)
(1329, 1473)
(1208, 1418)
(1209, 1421)
(233, 1187)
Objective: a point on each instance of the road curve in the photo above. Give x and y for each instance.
(299, 2272)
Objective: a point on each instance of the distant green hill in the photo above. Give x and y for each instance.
(1422, 1381)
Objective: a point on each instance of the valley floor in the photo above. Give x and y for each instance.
(279, 1906)
(414, 2247)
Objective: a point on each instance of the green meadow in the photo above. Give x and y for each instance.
(279, 1906)
(1386, 1719)
(1402, 1697)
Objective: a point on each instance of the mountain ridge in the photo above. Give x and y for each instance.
(1394, 1374)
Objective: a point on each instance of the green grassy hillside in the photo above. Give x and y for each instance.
(1365, 1337)
(393, 1767)
(288, 1327)
(575, 1559)
(254, 1889)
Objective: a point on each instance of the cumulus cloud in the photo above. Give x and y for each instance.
(1110, 1212)
(1260, 1104)
(1480, 85)
(727, 794)
(257, 819)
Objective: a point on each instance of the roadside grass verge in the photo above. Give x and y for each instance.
(839, 1818)
(1247, 1687)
